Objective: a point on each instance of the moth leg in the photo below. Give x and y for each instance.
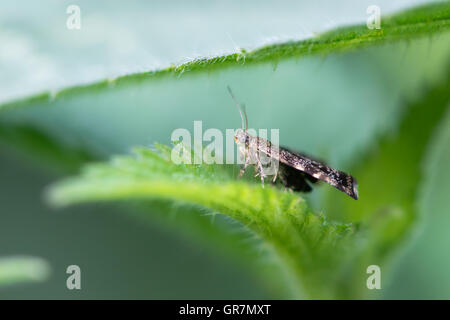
(261, 172)
(256, 171)
(275, 177)
(247, 161)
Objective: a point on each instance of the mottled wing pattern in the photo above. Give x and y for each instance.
(340, 180)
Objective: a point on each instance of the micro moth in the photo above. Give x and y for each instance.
(296, 171)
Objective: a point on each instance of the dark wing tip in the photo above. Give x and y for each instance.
(354, 189)
(348, 185)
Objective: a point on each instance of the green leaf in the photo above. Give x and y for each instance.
(424, 20)
(425, 254)
(22, 269)
(390, 179)
(305, 242)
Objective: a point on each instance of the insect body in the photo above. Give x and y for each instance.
(296, 171)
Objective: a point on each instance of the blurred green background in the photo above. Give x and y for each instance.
(335, 107)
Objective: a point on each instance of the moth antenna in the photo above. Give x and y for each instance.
(241, 110)
(244, 110)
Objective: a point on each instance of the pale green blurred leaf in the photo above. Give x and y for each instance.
(22, 269)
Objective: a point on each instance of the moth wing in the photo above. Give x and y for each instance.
(319, 171)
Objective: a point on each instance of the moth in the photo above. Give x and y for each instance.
(296, 171)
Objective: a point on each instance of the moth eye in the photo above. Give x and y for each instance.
(242, 139)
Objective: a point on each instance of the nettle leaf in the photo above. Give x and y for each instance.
(425, 255)
(390, 178)
(22, 269)
(304, 241)
(324, 260)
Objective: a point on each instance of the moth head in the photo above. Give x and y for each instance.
(241, 137)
